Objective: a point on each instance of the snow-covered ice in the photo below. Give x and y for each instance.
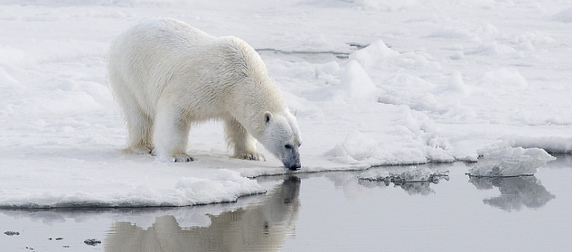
(374, 83)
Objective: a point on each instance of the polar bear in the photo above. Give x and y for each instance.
(165, 75)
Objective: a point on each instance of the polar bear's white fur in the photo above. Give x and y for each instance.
(166, 75)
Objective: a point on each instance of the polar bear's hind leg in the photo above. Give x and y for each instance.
(171, 134)
(140, 130)
(139, 123)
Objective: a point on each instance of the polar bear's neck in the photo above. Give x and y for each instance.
(253, 93)
(260, 96)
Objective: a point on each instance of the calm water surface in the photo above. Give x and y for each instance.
(333, 211)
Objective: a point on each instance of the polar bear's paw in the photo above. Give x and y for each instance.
(183, 158)
(251, 156)
(179, 158)
(139, 150)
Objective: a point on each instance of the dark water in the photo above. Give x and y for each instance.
(332, 211)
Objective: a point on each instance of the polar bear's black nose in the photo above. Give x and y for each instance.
(291, 159)
(295, 166)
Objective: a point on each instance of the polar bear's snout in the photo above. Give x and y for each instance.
(282, 138)
(291, 157)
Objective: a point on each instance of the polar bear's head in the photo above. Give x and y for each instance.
(282, 138)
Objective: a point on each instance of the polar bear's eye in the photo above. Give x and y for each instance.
(288, 146)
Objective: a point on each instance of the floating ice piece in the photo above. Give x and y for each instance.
(92, 242)
(402, 175)
(510, 162)
(11, 233)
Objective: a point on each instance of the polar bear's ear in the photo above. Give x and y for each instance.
(293, 112)
(267, 116)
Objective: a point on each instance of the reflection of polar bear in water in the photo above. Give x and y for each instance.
(261, 227)
(166, 74)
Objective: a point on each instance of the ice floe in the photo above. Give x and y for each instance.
(510, 162)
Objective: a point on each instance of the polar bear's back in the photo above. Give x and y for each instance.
(160, 59)
(145, 57)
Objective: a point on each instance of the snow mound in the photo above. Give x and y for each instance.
(563, 16)
(553, 145)
(510, 162)
(402, 175)
(504, 78)
(356, 83)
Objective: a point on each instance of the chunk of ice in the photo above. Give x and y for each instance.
(510, 162)
(401, 175)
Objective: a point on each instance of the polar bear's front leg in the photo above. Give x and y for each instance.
(243, 143)
(171, 135)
